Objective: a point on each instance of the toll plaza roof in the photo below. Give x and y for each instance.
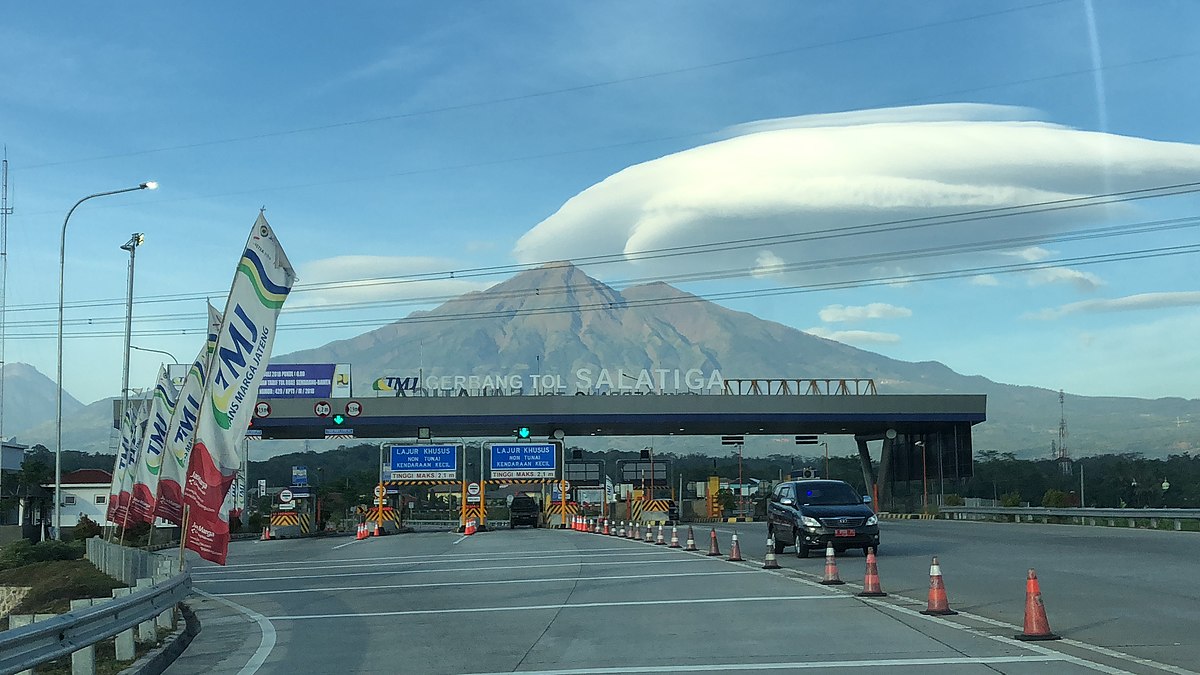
(615, 415)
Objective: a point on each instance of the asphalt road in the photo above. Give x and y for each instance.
(567, 602)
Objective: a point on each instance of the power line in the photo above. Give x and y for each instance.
(877, 227)
(1106, 232)
(1140, 254)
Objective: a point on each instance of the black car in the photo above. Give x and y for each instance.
(809, 514)
(524, 510)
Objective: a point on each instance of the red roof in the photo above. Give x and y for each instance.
(87, 477)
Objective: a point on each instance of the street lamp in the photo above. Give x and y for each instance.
(924, 478)
(62, 254)
(136, 239)
(156, 351)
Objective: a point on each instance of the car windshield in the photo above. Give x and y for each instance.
(828, 494)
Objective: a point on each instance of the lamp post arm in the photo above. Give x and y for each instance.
(62, 255)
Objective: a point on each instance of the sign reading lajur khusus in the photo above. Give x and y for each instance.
(421, 462)
(523, 460)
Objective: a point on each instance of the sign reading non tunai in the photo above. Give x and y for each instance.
(421, 462)
(523, 460)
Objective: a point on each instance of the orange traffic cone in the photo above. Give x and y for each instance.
(378, 530)
(649, 534)
(713, 550)
(674, 537)
(691, 541)
(604, 529)
(938, 603)
(362, 532)
(735, 550)
(266, 535)
(630, 533)
(1037, 627)
(660, 541)
(831, 570)
(769, 562)
(871, 587)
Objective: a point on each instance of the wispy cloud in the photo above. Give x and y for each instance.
(1125, 304)
(767, 264)
(874, 310)
(984, 280)
(858, 337)
(1084, 281)
(377, 279)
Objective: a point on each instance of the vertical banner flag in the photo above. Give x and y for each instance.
(263, 279)
(182, 429)
(150, 450)
(130, 445)
(119, 469)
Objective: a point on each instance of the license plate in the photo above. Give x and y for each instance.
(843, 533)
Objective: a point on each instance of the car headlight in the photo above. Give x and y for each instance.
(810, 522)
(873, 520)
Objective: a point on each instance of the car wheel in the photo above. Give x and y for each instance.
(801, 549)
(779, 546)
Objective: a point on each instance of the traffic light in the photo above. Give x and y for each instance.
(339, 419)
(523, 432)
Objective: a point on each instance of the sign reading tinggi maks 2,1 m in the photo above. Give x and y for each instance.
(421, 462)
(524, 460)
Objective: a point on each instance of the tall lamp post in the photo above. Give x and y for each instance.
(826, 444)
(156, 351)
(62, 254)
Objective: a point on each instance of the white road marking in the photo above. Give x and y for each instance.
(500, 554)
(460, 540)
(545, 580)
(441, 571)
(265, 645)
(377, 562)
(577, 605)
(352, 541)
(794, 665)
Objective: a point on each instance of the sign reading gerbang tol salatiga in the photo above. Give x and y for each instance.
(263, 279)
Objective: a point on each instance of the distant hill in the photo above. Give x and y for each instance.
(29, 399)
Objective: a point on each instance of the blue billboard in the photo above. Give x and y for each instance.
(524, 460)
(416, 462)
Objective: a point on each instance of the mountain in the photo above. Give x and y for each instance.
(29, 399)
(556, 319)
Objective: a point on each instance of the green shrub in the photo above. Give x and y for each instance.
(1054, 499)
(86, 529)
(954, 500)
(1010, 499)
(21, 552)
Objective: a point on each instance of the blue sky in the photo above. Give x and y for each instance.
(393, 138)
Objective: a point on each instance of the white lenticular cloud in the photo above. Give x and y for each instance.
(874, 310)
(1084, 281)
(854, 337)
(804, 175)
(1127, 303)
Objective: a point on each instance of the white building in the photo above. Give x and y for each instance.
(84, 493)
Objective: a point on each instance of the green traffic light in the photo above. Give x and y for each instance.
(523, 432)
(339, 418)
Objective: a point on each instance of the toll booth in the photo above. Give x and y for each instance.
(292, 513)
(649, 497)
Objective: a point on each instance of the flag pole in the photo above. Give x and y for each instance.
(183, 535)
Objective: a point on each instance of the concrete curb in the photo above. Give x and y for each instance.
(884, 515)
(159, 658)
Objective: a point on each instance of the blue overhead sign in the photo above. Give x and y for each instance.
(524, 460)
(417, 462)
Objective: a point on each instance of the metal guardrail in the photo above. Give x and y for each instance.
(26, 647)
(1082, 515)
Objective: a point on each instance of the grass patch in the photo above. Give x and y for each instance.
(53, 584)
